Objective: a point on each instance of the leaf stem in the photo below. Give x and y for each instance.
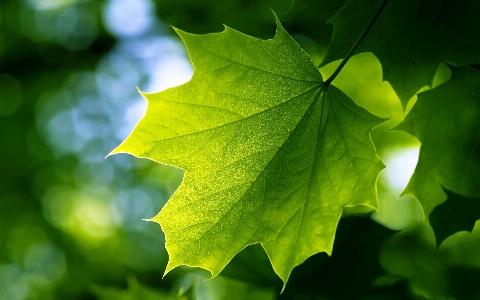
(357, 43)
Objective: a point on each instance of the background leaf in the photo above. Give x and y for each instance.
(135, 291)
(401, 254)
(199, 286)
(456, 214)
(447, 122)
(410, 38)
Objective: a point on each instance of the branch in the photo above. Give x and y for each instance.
(357, 43)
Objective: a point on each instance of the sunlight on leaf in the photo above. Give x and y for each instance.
(271, 154)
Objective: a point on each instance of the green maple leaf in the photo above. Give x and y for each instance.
(446, 120)
(410, 38)
(271, 154)
(456, 214)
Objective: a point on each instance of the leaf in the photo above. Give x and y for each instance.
(270, 153)
(446, 120)
(208, 15)
(410, 38)
(199, 287)
(411, 254)
(135, 291)
(456, 214)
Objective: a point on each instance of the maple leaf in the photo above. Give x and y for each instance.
(446, 120)
(410, 38)
(271, 153)
(456, 214)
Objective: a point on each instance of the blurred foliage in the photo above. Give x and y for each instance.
(71, 221)
(135, 291)
(198, 286)
(434, 274)
(458, 213)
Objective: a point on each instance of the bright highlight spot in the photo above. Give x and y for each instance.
(127, 18)
(80, 213)
(400, 167)
(398, 213)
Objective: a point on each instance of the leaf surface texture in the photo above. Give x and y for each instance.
(271, 154)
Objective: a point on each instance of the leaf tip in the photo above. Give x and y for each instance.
(180, 33)
(274, 14)
(177, 30)
(283, 287)
(167, 270)
(155, 219)
(277, 20)
(113, 152)
(118, 149)
(144, 95)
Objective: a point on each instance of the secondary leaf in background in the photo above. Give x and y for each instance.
(456, 214)
(450, 272)
(297, 17)
(446, 120)
(271, 154)
(400, 257)
(135, 291)
(199, 287)
(410, 38)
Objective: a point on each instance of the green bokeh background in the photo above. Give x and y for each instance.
(71, 221)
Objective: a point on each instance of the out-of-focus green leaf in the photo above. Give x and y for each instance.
(464, 282)
(297, 16)
(136, 291)
(199, 287)
(410, 38)
(411, 254)
(449, 272)
(446, 120)
(271, 153)
(456, 214)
